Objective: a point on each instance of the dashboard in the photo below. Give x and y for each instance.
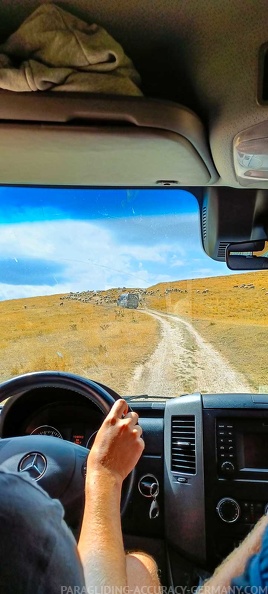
(54, 412)
(77, 424)
(205, 455)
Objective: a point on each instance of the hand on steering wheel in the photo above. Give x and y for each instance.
(118, 444)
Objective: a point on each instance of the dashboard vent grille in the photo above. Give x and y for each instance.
(204, 222)
(222, 249)
(183, 452)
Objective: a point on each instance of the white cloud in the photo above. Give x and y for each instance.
(73, 241)
(22, 291)
(89, 255)
(177, 262)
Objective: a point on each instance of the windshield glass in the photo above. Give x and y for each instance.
(114, 285)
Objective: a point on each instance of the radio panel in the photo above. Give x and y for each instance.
(236, 473)
(242, 448)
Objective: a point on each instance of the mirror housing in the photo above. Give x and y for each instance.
(250, 255)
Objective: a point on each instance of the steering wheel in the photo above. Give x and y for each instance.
(59, 466)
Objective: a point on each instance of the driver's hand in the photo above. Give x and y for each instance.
(118, 444)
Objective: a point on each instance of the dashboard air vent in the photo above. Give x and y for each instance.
(183, 453)
(222, 249)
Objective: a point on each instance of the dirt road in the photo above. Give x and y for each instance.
(184, 363)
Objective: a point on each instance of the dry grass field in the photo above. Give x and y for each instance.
(230, 312)
(101, 341)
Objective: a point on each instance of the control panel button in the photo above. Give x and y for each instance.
(228, 509)
(259, 507)
(251, 511)
(227, 468)
(259, 511)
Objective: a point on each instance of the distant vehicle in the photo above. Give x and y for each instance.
(129, 300)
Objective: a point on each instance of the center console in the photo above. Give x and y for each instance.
(235, 470)
(216, 472)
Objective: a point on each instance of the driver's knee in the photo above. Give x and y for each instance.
(142, 573)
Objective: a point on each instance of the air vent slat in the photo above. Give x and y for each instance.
(204, 222)
(183, 429)
(182, 440)
(183, 443)
(182, 433)
(185, 464)
(186, 469)
(180, 453)
(185, 461)
(222, 249)
(189, 446)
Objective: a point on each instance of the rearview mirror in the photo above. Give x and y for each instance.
(250, 255)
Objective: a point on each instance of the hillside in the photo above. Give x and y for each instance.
(230, 312)
(99, 341)
(87, 333)
(220, 298)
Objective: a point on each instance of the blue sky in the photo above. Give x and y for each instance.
(56, 241)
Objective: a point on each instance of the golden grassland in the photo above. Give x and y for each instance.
(104, 342)
(231, 317)
(97, 341)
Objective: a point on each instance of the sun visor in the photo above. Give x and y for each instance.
(229, 215)
(89, 140)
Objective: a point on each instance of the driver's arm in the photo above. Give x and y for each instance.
(116, 450)
(244, 566)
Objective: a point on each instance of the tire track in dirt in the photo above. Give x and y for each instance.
(183, 362)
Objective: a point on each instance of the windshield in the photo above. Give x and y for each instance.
(114, 285)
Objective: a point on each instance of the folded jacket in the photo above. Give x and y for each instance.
(54, 50)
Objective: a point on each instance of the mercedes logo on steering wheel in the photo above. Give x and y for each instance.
(35, 464)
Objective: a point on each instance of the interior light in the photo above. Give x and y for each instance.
(251, 154)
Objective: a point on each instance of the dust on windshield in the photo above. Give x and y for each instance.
(114, 285)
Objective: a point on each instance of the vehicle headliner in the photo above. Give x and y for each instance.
(203, 55)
